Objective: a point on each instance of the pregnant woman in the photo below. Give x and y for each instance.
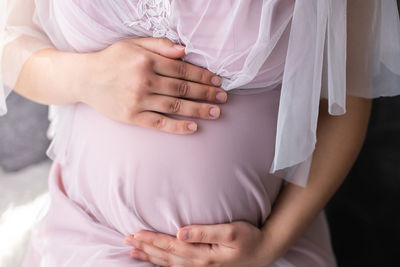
(197, 115)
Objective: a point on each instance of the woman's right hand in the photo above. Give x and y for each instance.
(135, 81)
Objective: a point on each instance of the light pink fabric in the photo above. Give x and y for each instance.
(119, 179)
(251, 44)
(109, 179)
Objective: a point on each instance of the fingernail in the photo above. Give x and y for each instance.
(216, 80)
(128, 239)
(214, 112)
(221, 96)
(179, 47)
(185, 235)
(192, 127)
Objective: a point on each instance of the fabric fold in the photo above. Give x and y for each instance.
(20, 36)
(336, 62)
(324, 21)
(301, 45)
(347, 48)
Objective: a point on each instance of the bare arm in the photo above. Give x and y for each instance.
(126, 82)
(243, 244)
(50, 76)
(340, 139)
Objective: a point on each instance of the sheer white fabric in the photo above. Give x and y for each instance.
(20, 36)
(355, 47)
(302, 45)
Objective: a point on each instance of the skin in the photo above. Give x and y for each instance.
(134, 81)
(339, 141)
(235, 244)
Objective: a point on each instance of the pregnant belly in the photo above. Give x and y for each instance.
(132, 178)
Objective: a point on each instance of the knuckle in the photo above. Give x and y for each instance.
(204, 76)
(175, 105)
(208, 93)
(138, 244)
(171, 247)
(183, 89)
(205, 93)
(128, 113)
(202, 236)
(177, 127)
(145, 82)
(230, 234)
(182, 70)
(134, 100)
(143, 60)
(196, 112)
(204, 110)
(159, 123)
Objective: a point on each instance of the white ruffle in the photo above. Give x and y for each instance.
(317, 53)
(154, 18)
(20, 37)
(321, 36)
(310, 34)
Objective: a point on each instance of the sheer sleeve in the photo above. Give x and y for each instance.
(20, 36)
(336, 48)
(373, 65)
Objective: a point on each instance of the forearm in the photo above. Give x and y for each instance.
(50, 76)
(339, 140)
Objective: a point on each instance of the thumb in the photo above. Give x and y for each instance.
(161, 46)
(210, 234)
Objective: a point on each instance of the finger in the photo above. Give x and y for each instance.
(187, 89)
(161, 46)
(183, 70)
(156, 254)
(179, 106)
(174, 246)
(141, 255)
(210, 234)
(163, 123)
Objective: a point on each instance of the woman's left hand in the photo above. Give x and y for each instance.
(233, 244)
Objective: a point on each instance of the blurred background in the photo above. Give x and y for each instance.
(364, 215)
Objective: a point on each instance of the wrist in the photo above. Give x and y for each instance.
(50, 76)
(83, 65)
(69, 73)
(273, 245)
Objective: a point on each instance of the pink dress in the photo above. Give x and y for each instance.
(110, 179)
(117, 179)
(120, 179)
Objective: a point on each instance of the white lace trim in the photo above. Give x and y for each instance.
(154, 18)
